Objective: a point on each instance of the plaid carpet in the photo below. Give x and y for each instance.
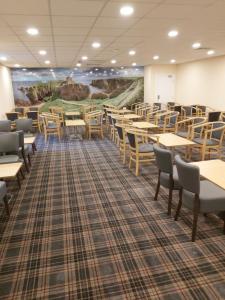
(84, 227)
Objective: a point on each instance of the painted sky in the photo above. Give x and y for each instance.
(79, 75)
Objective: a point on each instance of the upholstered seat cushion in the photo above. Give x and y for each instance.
(93, 122)
(183, 134)
(2, 190)
(208, 142)
(165, 178)
(51, 125)
(145, 148)
(6, 159)
(212, 198)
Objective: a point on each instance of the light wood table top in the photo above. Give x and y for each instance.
(144, 125)
(212, 170)
(171, 140)
(29, 140)
(72, 113)
(119, 111)
(132, 116)
(9, 170)
(75, 123)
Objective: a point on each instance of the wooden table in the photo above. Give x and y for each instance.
(119, 111)
(72, 114)
(132, 117)
(171, 140)
(144, 125)
(212, 170)
(75, 123)
(31, 141)
(11, 170)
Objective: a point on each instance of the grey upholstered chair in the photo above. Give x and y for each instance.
(3, 195)
(5, 125)
(199, 196)
(9, 143)
(167, 177)
(12, 116)
(25, 125)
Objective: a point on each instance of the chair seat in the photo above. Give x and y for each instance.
(2, 190)
(145, 148)
(26, 135)
(51, 125)
(165, 178)
(183, 134)
(212, 198)
(208, 142)
(6, 159)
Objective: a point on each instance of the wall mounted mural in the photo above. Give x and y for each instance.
(73, 88)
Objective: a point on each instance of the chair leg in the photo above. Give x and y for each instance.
(29, 160)
(25, 162)
(195, 220)
(170, 201)
(130, 162)
(157, 188)
(6, 205)
(137, 167)
(178, 206)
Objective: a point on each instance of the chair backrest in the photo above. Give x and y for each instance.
(12, 116)
(24, 124)
(159, 105)
(218, 134)
(5, 125)
(9, 142)
(120, 132)
(189, 175)
(132, 139)
(32, 115)
(214, 116)
(178, 108)
(173, 118)
(20, 110)
(33, 108)
(110, 120)
(21, 138)
(164, 159)
(188, 110)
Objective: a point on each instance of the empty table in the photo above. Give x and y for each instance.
(11, 170)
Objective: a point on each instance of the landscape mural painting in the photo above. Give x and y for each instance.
(74, 88)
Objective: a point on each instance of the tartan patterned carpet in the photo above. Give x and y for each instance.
(84, 227)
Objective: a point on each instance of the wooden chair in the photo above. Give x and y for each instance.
(209, 139)
(186, 111)
(123, 141)
(94, 123)
(170, 122)
(34, 115)
(183, 128)
(12, 116)
(51, 125)
(60, 112)
(140, 153)
(160, 118)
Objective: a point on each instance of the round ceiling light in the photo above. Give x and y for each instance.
(32, 31)
(42, 52)
(132, 52)
(173, 33)
(96, 45)
(126, 10)
(196, 45)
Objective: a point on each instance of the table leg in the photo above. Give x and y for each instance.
(6, 205)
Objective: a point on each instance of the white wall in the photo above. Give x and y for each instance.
(6, 92)
(202, 82)
(159, 84)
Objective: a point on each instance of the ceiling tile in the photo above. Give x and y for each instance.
(104, 22)
(59, 21)
(24, 7)
(76, 8)
(27, 21)
(70, 30)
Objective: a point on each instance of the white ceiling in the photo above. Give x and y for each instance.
(68, 28)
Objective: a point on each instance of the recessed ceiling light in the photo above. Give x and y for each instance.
(155, 57)
(173, 33)
(134, 64)
(42, 52)
(96, 45)
(3, 58)
(84, 57)
(47, 62)
(24, 69)
(96, 69)
(51, 70)
(173, 61)
(113, 61)
(126, 10)
(78, 64)
(32, 31)
(210, 52)
(196, 45)
(16, 65)
(132, 52)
